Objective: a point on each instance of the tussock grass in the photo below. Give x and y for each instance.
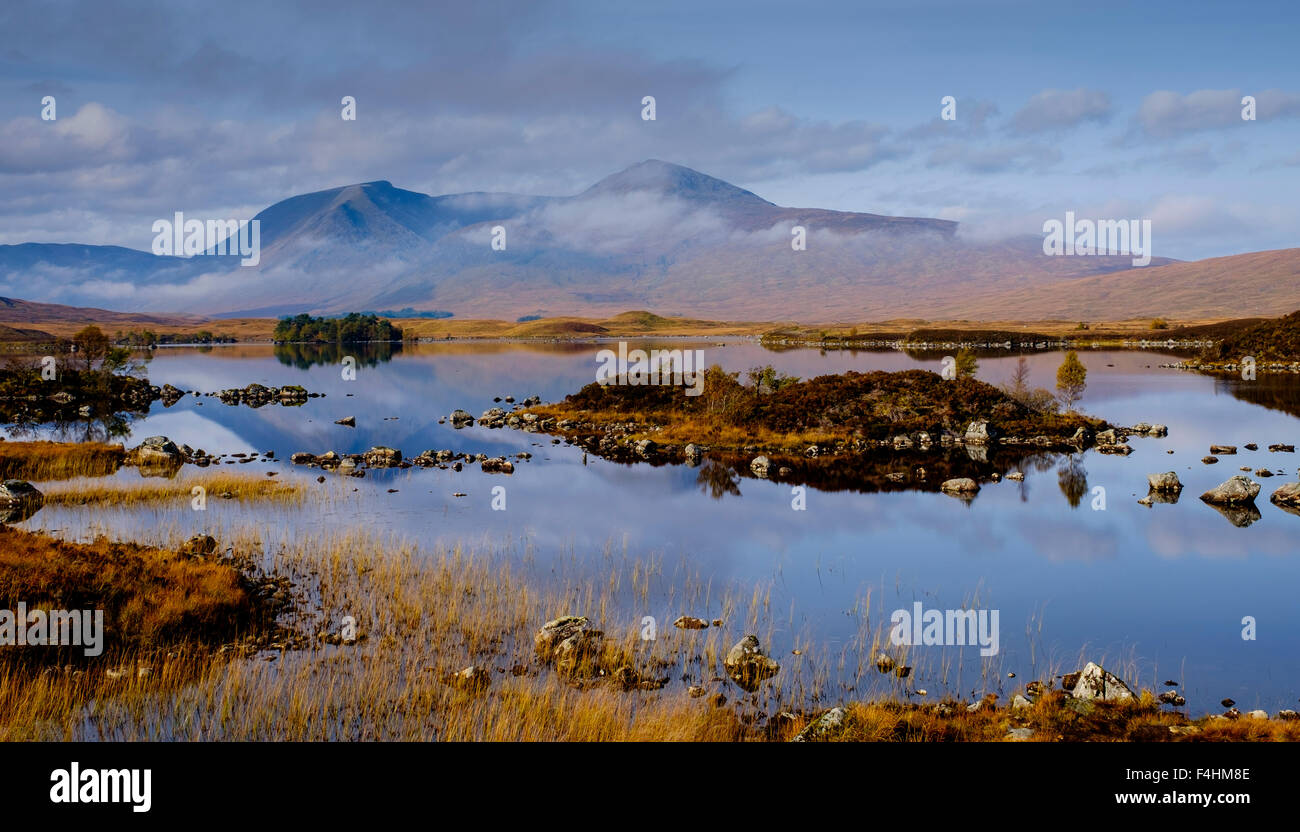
(242, 487)
(58, 460)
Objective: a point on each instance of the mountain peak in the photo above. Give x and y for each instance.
(669, 179)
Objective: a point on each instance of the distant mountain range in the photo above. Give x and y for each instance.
(655, 236)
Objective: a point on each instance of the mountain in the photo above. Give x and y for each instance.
(656, 235)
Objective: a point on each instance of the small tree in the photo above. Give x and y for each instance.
(1071, 379)
(966, 364)
(1020, 379)
(92, 346)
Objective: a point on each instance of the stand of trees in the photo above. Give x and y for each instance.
(350, 328)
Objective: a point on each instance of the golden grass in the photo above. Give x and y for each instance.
(242, 487)
(58, 460)
(421, 616)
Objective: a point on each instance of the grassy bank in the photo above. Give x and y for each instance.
(242, 487)
(58, 460)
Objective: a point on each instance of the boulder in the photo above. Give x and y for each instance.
(1168, 481)
(1223, 450)
(748, 665)
(1096, 684)
(474, 677)
(18, 493)
(460, 419)
(645, 448)
(827, 723)
(157, 450)
(199, 546)
(960, 485)
(1287, 494)
(690, 622)
(760, 465)
(1237, 490)
(978, 433)
(567, 641)
(347, 421)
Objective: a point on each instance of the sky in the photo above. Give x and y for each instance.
(1108, 110)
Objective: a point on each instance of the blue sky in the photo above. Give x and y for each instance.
(1110, 110)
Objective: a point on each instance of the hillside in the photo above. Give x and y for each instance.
(1256, 284)
(1275, 340)
(655, 235)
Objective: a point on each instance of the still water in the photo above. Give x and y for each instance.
(1076, 568)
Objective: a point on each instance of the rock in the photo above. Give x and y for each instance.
(645, 448)
(1263, 472)
(687, 622)
(884, 662)
(19, 493)
(1017, 476)
(497, 465)
(302, 458)
(1096, 684)
(474, 677)
(199, 546)
(1020, 734)
(1251, 446)
(1258, 714)
(1167, 481)
(1238, 490)
(748, 665)
(1019, 703)
(570, 642)
(382, 457)
(1287, 494)
(1209, 460)
(1285, 449)
(347, 421)
(829, 722)
(156, 450)
(1171, 697)
(978, 433)
(460, 419)
(1223, 450)
(1114, 448)
(693, 454)
(760, 466)
(960, 485)
(696, 691)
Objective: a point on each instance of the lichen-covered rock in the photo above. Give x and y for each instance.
(748, 665)
(1237, 490)
(1168, 481)
(1096, 684)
